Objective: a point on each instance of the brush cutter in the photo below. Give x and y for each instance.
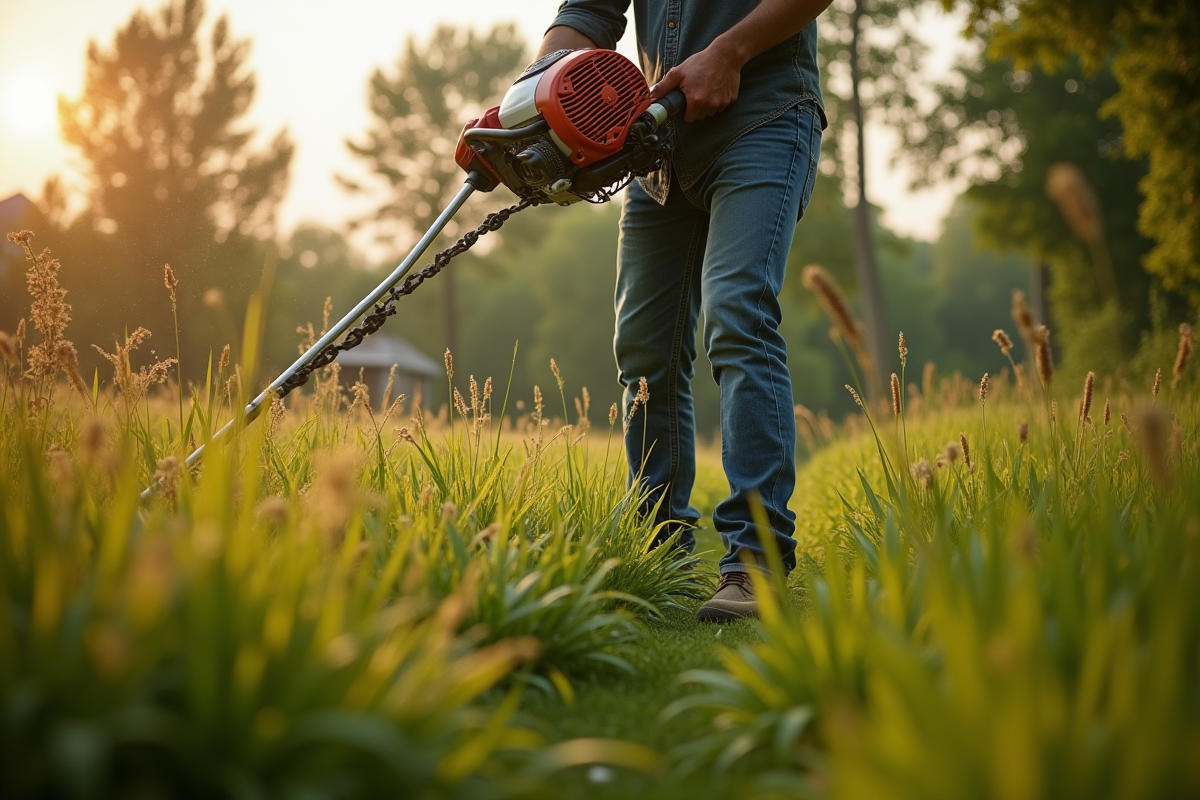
(576, 125)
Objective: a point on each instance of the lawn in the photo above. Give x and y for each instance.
(355, 598)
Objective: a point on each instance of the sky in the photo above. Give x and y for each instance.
(312, 59)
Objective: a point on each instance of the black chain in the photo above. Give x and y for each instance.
(387, 307)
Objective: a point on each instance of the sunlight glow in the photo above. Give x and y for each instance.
(28, 105)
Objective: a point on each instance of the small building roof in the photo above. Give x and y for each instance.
(14, 207)
(381, 350)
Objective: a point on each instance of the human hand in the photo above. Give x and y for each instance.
(710, 81)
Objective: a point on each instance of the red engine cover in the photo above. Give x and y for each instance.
(467, 158)
(590, 98)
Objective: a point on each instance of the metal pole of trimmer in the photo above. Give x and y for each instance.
(255, 407)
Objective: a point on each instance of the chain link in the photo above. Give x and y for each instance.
(386, 308)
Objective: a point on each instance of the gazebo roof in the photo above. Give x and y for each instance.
(381, 350)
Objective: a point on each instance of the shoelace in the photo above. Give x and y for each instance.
(742, 579)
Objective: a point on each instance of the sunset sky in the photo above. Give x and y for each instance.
(312, 60)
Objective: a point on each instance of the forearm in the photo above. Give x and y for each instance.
(563, 37)
(771, 22)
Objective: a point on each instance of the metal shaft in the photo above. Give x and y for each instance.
(255, 407)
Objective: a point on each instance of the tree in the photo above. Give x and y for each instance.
(418, 112)
(1151, 46)
(171, 174)
(315, 263)
(1004, 128)
(871, 61)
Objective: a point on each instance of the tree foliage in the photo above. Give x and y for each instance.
(1152, 48)
(1004, 128)
(172, 176)
(418, 110)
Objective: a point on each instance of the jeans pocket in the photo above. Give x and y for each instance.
(809, 117)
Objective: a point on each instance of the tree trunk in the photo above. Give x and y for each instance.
(866, 268)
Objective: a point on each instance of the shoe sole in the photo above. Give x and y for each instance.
(712, 613)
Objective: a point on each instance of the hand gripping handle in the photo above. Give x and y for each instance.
(669, 106)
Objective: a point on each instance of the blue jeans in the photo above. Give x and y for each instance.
(719, 248)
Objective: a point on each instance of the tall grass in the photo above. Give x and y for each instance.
(320, 607)
(1024, 625)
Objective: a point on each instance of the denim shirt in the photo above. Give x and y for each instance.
(669, 31)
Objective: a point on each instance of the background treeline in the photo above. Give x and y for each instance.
(173, 175)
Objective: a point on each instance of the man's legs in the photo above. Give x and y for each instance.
(657, 303)
(753, 194)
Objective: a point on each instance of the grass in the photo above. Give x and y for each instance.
(358, 598)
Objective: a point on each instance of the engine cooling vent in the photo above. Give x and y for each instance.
(601, 96)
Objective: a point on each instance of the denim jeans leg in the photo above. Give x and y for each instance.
(754, 194)
(657, 305)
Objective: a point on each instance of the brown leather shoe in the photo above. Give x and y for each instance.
(734, 599)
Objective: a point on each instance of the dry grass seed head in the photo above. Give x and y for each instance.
(854, 394)
(1085, 410)
(640, 399)
(1152, 436)
(134, 385)
(387, 390)
(1022, 317)
(1107, 413)
(922, 473)
(966, 449)
(1076, 201)
(895, 395)
(277, 411)
(93, 438)
(1001, 339)
(612, 415)
(1043, 356)
(8, 350)
(362, 395)
(928, 373)
(334, 493)
(170, 281)
(50, 314)
(818, 281)
(903, 350)
(984, 384)
(68, 360)
(1157, 387)
(273, 511)
(166, 476)
(1187, 342)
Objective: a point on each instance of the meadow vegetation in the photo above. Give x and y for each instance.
(998, 594)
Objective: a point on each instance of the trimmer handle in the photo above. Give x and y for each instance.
(673, 103)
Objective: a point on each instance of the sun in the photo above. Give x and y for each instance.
(28, 105)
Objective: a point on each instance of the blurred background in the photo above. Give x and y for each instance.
(299, 148)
